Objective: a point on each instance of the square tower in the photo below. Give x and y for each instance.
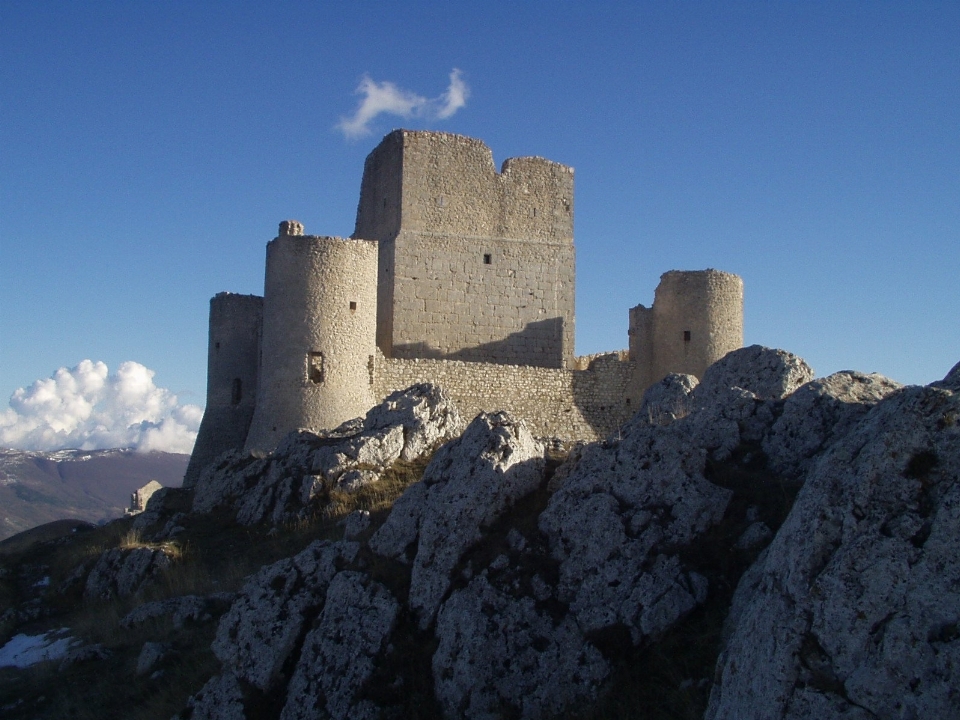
(474, 264)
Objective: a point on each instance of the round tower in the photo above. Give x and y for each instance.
(696, 319)
(319, 334)
(233, 360)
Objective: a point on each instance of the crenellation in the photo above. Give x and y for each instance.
(456, 274)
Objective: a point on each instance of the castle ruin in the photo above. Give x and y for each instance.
(458, 275)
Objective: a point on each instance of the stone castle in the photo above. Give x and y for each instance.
(456, 275)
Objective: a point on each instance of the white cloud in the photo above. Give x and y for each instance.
(86, 407)
(386, 97)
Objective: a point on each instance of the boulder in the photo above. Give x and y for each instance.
(617, 522)
(853, 609)
(221, 698)
(766, 373)
(668, 400)
(817, 414)
(256, 636)
(469, 483)
(152, 654)
(499, 656)
(338, 654)
(180, 609)
(121, 572)
(277, 488)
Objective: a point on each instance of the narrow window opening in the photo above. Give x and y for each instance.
(236, 392)
(353, 306)
(384, 202)
(216, 346)
(686, 336)
(315, 367)
(442, 201)
(487, 259)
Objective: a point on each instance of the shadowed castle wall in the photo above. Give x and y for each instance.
(233, 359)
(474, 264)
(319, 334)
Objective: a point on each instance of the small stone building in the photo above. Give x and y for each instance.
(456, 274)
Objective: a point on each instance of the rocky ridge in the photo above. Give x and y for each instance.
(513, 579)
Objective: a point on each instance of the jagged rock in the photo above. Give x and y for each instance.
(616, 522)
(498, 656)
(355, 523)
(120, 572)
(818, 413)
(951, 381)
(338, 654)
(180, 609)
(756, 535)
(220, 699)
(225, 479)
(87, 653)
(469, 483)
(668, 400)
(405, 425)
(255, 637)
(150, 656)
(768, 374)
(853, 609)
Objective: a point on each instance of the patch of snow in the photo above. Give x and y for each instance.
(25, 650)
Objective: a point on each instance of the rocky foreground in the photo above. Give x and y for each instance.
(761, 544)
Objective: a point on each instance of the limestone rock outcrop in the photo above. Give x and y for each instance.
(256, 636)
(497, 651)
(119, 572)
(818, 413)
(406, 425)
(469, 484)
(767, 373)
(511, 587)
(853, 610)
(338, 654)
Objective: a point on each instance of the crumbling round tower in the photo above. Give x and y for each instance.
(696, 319)
(319, 334)
(233, 359)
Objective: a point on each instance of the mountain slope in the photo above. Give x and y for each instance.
(92, 485)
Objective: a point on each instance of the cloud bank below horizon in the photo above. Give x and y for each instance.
(385, 97)
(87, 408)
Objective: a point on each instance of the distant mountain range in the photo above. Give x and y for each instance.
(91, 485)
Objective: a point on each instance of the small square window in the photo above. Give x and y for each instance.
(686, 336)
(487, 259)
(353, 306)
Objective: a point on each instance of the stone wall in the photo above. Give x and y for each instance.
(233, 364)
(696, 319)
(568, 404)
(319, 335)
(474, 264)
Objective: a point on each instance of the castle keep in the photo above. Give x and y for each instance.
(456, 274)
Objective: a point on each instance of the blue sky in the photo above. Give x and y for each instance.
(150, 149)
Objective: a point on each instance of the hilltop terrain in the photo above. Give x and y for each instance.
(759, 544)
(91, 485)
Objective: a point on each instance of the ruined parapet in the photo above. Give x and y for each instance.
(233, 364)
(474, 264)
(319, 335)
(696, 319)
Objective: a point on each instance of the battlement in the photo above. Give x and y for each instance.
(445, 184)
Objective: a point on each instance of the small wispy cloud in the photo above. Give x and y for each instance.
(89, 408)
(386, 97)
